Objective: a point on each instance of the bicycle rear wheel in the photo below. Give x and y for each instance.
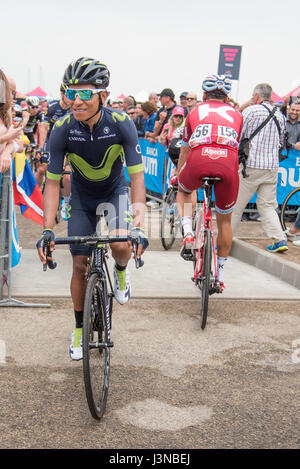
(96, 355)
(206, 277)
(170, 221)
(290, 208)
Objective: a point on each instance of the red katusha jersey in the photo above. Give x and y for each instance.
(213, 123)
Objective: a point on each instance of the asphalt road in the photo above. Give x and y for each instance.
(172, 385)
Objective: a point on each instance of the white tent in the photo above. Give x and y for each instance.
(142, 96)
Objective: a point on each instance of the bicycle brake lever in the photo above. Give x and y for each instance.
(49, 263)
(138, 261)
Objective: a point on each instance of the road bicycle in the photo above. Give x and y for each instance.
(58, 215)
(204, 254)
(170, 218)
(290, 208)
(97, 316)
(30, 152)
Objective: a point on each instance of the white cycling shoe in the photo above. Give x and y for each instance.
(122, 287)
(75, 350)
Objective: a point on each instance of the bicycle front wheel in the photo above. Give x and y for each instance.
(170, 221)
(206, 277)
(290, 208)
(96, 353)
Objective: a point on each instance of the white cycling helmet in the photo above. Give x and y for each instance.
(33, 101)
(217, 83)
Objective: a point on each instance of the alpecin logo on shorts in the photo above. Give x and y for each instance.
(214, 153)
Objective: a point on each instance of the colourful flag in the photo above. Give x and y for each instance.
(27, 193)
(15, 248)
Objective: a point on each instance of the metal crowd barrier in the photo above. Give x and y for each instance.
(6, 227)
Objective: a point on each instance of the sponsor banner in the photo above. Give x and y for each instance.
(288, 176)
(153, 155)
(229, 61)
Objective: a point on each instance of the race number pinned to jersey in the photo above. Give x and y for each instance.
(227, 136)
(201, 135)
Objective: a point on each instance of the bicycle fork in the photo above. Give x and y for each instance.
(99, 260)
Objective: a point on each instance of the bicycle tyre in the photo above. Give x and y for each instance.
(205, 281)
(197, 218)
(96, 361)
(292, 199)
(169, 221)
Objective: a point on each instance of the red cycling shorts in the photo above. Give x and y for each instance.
(213, 161)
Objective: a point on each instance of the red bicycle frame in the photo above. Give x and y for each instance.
(203, 227)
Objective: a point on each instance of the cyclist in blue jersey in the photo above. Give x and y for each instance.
(97, 141)
(55, 110)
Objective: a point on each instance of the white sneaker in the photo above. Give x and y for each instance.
(75, 349)
(296, 243)
(292, 235)
(122, 287)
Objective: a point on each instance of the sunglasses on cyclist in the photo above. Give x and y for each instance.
(33, 107)
(84, 95)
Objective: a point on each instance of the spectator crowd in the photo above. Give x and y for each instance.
(158, 119)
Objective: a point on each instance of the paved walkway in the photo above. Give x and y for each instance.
(164, 275)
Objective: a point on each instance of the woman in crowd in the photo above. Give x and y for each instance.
(149, 113)
(7, 132)
(176, 121)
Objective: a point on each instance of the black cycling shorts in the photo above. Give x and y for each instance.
(83, 214)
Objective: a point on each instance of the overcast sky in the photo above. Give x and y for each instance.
(151, 45)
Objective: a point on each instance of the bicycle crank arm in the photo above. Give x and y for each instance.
(100, 345)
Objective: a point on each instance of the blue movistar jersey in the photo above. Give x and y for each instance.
(53, 113)
(96, 158)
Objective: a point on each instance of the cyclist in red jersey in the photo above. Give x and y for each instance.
(210, 148)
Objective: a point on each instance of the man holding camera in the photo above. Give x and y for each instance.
(262, 165)
(293, 124)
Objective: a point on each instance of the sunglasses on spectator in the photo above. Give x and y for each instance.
(179, 115)
(84, 95)
(190, 99)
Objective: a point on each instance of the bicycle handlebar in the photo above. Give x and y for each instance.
(91, 241)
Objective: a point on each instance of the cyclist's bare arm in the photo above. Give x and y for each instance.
(138, 200)
(43, 130)
(51, 199)
(184, 152)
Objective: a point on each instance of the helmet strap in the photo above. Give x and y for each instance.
(98, 110)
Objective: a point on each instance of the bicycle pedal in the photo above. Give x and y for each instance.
(187, 257)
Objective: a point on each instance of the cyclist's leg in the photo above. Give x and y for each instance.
(80, 223)
(224, 238)
(78, 281)
(119, 220)
(226, 194)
